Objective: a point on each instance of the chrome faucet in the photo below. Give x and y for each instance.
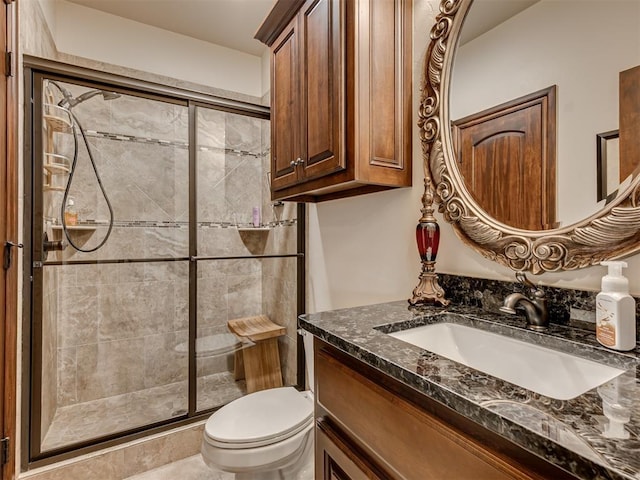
(535, 309)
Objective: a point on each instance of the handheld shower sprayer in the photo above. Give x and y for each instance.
(68, 102)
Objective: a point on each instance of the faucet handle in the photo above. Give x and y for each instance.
(536, 291)
(522, 278)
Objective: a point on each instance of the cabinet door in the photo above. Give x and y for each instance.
(382, 110)
(322, 89)
(285, 116)
(337, 460)
(386, 426)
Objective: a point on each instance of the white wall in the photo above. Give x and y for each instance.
(361, 250)
(266, 71)
(49, 12)
(89, 33)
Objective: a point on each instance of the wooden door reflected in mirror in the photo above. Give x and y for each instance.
(507, 157)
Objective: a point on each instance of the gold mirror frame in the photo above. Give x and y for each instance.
(612, 232)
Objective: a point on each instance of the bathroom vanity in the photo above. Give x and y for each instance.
(389, 409)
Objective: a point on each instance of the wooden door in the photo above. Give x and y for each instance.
(322, 87)
(8, 233)
(629, 112)
(506, 156)
(285, 116)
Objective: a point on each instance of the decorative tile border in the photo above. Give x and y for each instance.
(171, 143)
(179, 224)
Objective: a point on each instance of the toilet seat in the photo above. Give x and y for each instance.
(258, 419)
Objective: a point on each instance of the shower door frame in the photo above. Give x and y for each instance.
(36, 70)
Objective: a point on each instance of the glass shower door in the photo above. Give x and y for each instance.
(246, 251)
(113, 304)
(151, 227)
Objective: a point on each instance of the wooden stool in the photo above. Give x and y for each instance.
(260, 363)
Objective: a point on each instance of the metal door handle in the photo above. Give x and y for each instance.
(6, 262)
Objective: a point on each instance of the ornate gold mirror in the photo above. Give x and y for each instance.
(534, 58)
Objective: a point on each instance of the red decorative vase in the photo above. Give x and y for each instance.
(428, 238)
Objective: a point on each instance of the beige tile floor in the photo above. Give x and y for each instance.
(194, 468)
(191, 468)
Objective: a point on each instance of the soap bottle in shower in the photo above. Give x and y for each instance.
(70, 213)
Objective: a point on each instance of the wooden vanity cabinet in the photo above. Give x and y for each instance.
(340, 97)
(370, 426)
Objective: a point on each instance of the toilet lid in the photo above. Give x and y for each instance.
(260, 418)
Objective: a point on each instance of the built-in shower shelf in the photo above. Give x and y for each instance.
(254, 229)
(75, 228)
(50, 188)
(57, 119)
(56, 164)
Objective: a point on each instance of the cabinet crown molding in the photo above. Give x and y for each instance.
(279, 16)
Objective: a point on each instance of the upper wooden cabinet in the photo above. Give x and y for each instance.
(340, 97)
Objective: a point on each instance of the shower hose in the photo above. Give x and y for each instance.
(76, 125)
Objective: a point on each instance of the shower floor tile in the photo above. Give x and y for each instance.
(85, 421)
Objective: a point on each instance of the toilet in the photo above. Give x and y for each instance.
(266, 434)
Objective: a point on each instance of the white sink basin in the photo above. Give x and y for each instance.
(548, 372)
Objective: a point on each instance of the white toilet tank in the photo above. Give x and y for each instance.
(307, 339)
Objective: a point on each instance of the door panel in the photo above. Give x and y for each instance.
(501, 167)
(337, 459)
(284, 113)
(322, 88)
(629, 121)
(507, 158)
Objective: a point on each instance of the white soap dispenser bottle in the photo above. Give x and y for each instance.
(615, 310)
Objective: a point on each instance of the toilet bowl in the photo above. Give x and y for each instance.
(266, 431)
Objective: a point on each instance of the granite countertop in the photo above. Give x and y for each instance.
(567, 433)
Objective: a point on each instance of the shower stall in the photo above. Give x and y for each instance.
(150, 226)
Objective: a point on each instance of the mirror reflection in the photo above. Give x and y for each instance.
(535, 86)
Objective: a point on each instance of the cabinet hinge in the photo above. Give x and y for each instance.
(4, 444)
(8, 65)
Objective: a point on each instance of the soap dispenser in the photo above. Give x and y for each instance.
(615, 310)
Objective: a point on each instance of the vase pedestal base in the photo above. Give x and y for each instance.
(428, 291)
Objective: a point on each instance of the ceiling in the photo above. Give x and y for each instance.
(487, 14)
(230, 23)
(233, 23)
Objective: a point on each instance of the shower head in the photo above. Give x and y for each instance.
(69, 102)
(109, 95)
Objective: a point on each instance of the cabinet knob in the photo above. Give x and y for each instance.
(296, 162)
